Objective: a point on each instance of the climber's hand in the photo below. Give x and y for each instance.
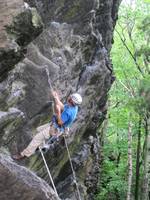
(55, 94)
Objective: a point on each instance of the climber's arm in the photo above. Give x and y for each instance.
(59, 107)
(62, 118)
(58, 104)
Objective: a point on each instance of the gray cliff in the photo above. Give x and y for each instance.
(73, 39)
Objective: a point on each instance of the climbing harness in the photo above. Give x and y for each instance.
(48, 171)
(73, 172)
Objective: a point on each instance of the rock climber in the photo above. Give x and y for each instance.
(64, 116)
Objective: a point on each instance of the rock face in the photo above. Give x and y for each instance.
(20, 183)
(8, 9)
(73, 40)
(18, 23)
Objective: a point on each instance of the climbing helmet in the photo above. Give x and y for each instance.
(76, 98)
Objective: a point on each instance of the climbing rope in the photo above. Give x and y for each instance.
(50, 85)
(48, 171)
(73, 172)
(49, 81)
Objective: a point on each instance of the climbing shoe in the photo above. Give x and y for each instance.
(18, 157)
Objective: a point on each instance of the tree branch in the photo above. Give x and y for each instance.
(131, 54)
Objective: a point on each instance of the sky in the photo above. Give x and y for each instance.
(129, 2)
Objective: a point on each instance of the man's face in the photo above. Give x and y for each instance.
(69, 100)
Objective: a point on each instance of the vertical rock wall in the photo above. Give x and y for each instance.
(73, 39)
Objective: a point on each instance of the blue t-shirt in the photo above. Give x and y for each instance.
(67, 116)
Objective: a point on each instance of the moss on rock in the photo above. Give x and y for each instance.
(25, 27)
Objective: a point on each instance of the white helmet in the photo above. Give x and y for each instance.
(76, 98)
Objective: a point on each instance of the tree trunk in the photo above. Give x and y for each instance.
(138, 161)
(129, 161)
(146, 176)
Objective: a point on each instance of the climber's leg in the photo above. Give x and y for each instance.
(37, 140)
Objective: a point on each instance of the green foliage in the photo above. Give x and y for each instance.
(145, 25)
(129, 98)
(144, 93)
(144, 50)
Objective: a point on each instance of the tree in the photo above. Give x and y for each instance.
(130, 170)
(129, 94)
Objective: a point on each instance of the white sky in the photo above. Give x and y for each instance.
(129, 2)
